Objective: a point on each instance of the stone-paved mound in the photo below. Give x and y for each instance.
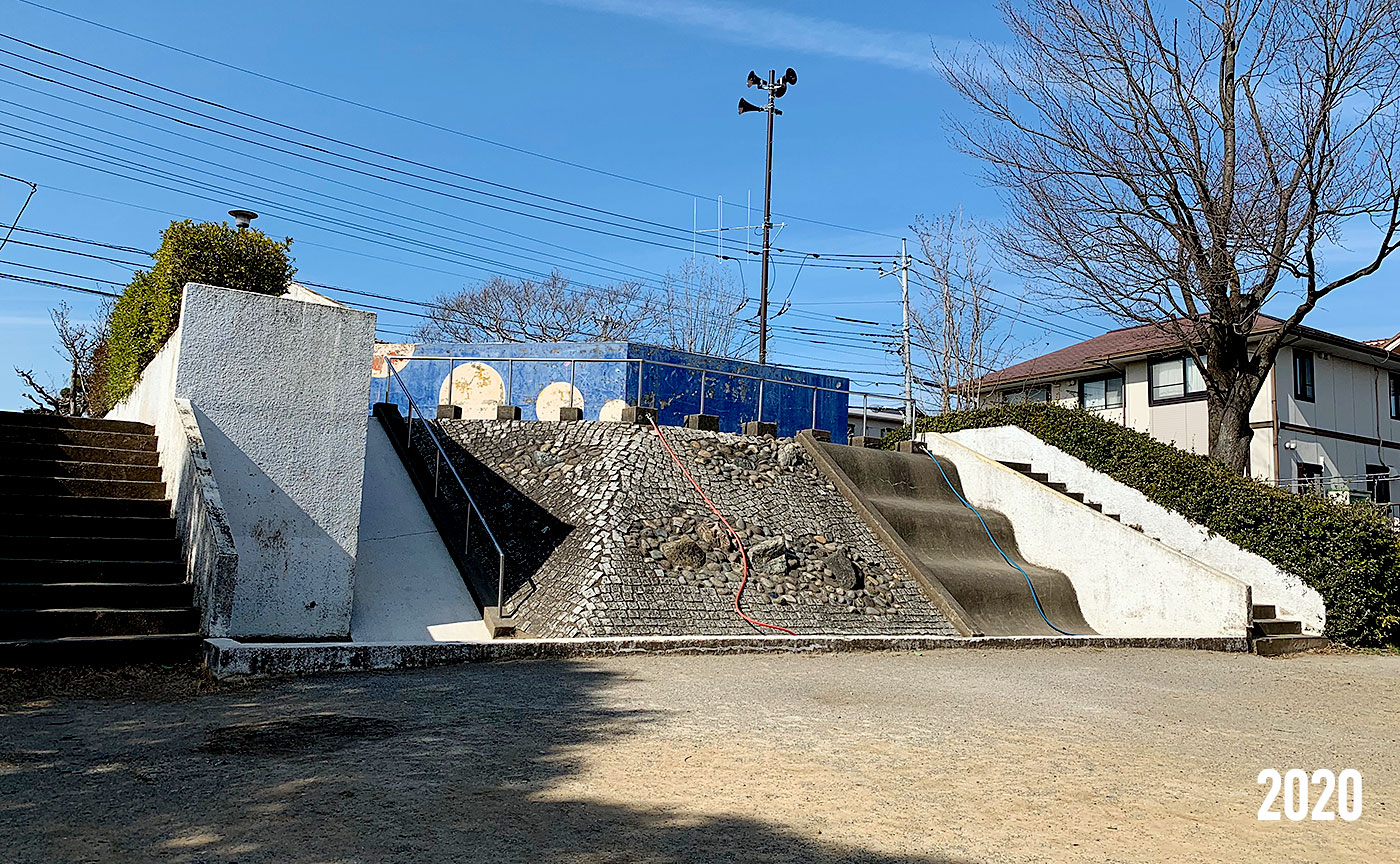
(604, 536)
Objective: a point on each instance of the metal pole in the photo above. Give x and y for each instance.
(437, 471)
(510, 381)
(409, 443)
(702, 391)
(572, 364)
(760, 400)
(501, 586)
(767, 224)
(864, 414)
(639, 382)
(452, 382)
(814, 407)
(388, 380)
(908, 358)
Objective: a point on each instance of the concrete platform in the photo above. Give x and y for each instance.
(228, 658)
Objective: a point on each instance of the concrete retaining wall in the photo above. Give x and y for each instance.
(276, 387)
(1271, 585)
(1127, 583)
(211, 561)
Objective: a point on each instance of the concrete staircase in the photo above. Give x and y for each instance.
(1270, 635)
(90, 567)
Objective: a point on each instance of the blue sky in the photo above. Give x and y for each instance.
(639, 88)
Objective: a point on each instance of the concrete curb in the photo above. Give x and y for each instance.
(228, 658)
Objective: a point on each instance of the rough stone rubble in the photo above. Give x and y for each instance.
(604, 536)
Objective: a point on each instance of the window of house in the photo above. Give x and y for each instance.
(1304, 388)
(1394, 396)
(1030, 394)
(1176, 379)
(1309, 477)
(1102, 393)
(1378, 483)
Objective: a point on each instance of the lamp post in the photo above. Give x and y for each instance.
(776, 87)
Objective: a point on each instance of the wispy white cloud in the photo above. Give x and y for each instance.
(753, 25)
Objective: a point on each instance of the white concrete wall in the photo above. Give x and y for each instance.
(1127, 583)
(206, 540)
(278, 387)
(1270, 585)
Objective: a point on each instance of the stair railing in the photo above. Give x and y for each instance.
(440, 457)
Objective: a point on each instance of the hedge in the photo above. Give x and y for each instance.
(148, 310)
(1348, 552)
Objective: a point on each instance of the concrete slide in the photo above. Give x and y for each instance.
(947, 543)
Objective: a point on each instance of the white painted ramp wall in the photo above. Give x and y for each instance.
(407, 589)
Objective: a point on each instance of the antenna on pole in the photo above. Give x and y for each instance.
(776, 88)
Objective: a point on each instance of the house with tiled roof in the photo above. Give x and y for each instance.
(1328, 416)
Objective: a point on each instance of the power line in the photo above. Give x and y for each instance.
(420, 122)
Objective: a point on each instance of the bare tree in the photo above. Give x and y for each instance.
(547, 310)
(701, 308)
(80, 346)
(952, 313)
(1184, 171)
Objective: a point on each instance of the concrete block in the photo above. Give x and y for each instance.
(758, 429)
(507, 412)
(865, 441)
(821, 435)
(911, 447)
(449, 412)
(703, 422)
(570, 415)
(638, 416)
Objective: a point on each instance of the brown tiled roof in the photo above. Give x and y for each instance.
(1144, 339)
(1093, 354)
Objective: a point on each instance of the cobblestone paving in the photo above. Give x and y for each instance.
(615, 541)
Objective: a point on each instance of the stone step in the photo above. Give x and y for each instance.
(93, 548)
(79, 470)
(69, 570)
(69, 505)
(80, 595)
(26, 450)
(83, 424)
(1022, 467)
(63, 525)
(15, 435)
(95, 621)
(81, 487)
(1262, 610)
(102, 650)
(1277, 626)
(1273, 646)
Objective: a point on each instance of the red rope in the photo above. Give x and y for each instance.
(743, 553)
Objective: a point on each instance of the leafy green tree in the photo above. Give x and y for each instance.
(148, 311)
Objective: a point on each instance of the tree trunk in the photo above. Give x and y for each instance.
(1233, 381)
(1230, 434)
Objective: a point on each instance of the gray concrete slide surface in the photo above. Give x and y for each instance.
(949, 544)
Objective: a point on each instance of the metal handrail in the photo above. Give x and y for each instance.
(441, 457)
(641, 363)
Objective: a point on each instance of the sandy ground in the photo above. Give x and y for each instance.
(950, 756)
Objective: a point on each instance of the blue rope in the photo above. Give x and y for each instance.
(1029, 584)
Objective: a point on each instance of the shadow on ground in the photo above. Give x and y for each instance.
(464, 764)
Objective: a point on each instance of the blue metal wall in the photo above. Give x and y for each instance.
(526, 369)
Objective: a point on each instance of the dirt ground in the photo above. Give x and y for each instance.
(946, 756)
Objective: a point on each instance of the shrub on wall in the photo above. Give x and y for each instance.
(1349, 553)
(148, 310)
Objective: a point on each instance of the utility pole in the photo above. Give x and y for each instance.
(776, 88)
(908, 355)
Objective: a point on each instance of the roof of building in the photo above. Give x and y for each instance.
(1141, 340)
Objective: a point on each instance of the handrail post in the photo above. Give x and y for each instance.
(452, 382)
(640, 364)
(760, 400)
(437, 471)
(501, 585)
(388, 380)
(702, 391)
(814, 407)
(864, 414)
(572, 364)
(408, 443)
(510, 380)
